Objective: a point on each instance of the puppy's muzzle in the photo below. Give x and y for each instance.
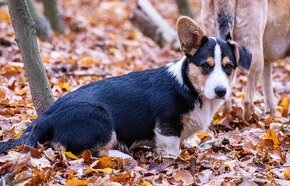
(220, 91)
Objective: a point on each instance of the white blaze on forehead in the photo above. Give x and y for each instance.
(217, 77)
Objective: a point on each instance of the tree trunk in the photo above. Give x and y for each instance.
(52, 13)
(24, 27)
(184, 8)
(43, 29)
(153, 25)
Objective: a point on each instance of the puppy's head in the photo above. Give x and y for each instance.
(212, 62)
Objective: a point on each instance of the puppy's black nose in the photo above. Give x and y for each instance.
(220, 91)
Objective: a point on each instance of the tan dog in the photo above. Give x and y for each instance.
(260, 25)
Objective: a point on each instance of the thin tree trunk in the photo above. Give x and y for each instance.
(52, 13)
(43, 29)
(24, 27)
(153, 25)
(184, 8)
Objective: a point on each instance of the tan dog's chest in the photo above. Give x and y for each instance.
(199, 118)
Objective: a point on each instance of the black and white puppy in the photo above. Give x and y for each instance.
(161, 106)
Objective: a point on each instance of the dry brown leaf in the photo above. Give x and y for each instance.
(123, 178)
(184, 176)
(284, 103)
(109, 162)
(271, 134)
(87, 156)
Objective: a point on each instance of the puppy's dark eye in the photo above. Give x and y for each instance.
(228, 68)
(205, 66)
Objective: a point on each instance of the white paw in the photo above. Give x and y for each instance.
(118, 154)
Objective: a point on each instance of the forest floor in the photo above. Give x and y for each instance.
(100, 42)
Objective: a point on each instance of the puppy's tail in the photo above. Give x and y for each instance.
(225, 15)
(35, 132)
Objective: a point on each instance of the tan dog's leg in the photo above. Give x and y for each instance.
(250, 23)
(268, 89)
(254, 75)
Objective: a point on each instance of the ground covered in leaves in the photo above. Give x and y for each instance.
(100, 42)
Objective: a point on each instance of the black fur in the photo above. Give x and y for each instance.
(245, 58)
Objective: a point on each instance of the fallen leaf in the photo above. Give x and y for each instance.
(287, 173)
(71, 155)
(106, 170)
(203, 135)
(124, 178)
(76, 182)
(184, 176)
(284, 103)
(271, 134)
(109, 162)
(87, 156)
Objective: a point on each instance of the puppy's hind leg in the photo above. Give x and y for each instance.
(268, 89)
(106, 150)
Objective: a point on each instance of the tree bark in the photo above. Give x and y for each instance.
(24, 27)
(43, 29)
(153, 25)
(53, 15)
(184, 8)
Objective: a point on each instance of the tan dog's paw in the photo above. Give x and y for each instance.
(248, 110)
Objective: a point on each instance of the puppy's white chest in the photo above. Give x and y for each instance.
(199, 118)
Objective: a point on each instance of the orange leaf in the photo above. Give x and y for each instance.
(87, 155)
(269, 120)
(271, 134)
(284, 103)
(110, 162)
(123, 178)
(64, 86)
(287, 173)
(2, 94)
(76, 182)
(4, 16)
(202, 135)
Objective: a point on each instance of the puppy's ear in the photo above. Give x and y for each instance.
(243, 57)
(190, 35)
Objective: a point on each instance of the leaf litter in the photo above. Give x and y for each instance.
(100, 42)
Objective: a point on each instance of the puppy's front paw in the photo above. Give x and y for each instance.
(167, 146)
(118, 154)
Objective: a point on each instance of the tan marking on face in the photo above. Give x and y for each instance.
(196, 77)
(210, 61)
(225, 61)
